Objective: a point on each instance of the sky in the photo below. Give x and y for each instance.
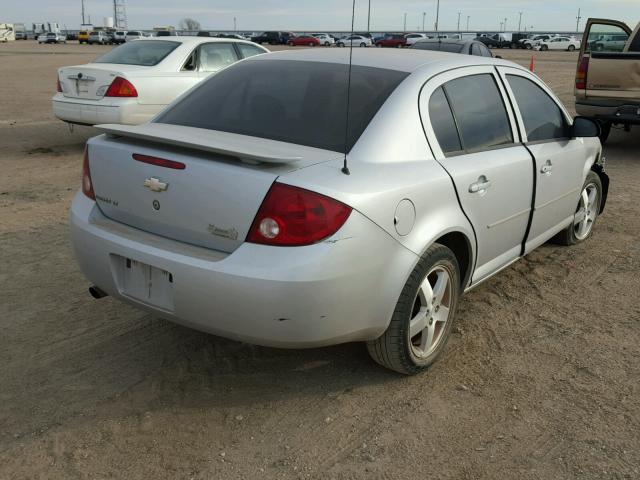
(328, 15)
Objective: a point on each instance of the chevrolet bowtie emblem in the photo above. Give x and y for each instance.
(155, 185)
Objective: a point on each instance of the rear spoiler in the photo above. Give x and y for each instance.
(248, 149)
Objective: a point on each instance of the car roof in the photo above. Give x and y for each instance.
(193, 40)
(405, 60)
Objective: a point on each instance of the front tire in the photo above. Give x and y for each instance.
(586, 214)
(422, 321)
(544, 48)
(571, 48)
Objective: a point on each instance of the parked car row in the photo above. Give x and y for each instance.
(103, 37)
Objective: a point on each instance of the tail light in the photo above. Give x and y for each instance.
(58, 86)
(291, 216)
(121, 87)
(87, 184)
(581, 74)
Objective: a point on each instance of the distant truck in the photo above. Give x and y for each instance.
(20, 31)
(502, 40)
(607, 86)
(48, 27)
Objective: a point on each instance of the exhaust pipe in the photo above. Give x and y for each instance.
(96, 293)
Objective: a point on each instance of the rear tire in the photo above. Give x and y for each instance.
(571, 48)
(363, 44)
(422, 321)
(586, 213)
(544, 48)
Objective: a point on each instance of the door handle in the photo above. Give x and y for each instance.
(480, 186)
(547, 167)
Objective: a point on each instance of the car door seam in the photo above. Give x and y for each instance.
(534, 168)
(453, 184)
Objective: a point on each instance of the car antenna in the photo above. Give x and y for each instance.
(345, 167)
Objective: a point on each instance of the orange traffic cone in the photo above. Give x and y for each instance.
(532, 65)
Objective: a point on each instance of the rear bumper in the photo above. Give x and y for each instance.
(87, 112)
(340, 290)
(619, 111)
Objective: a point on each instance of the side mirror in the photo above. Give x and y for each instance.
(498, 56)
(585, 127)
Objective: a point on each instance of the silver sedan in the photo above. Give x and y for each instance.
(273, 205)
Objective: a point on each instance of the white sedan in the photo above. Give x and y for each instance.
(558, 43)
(412, 38)
(135, 81)
(355, 41)
(325, 39)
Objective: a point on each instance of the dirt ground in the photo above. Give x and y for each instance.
(541, 379)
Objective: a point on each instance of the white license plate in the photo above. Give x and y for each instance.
(145, 283)
(83, 87)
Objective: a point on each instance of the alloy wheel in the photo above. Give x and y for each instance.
(431, 312)
(587, 212)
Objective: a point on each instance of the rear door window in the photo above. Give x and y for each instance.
(216, 56)
(247, 50)
(145, 53)
(443, 123)
(479, 111)
(542, 117)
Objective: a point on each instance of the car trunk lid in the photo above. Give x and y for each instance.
(211, 202)
(89, 82)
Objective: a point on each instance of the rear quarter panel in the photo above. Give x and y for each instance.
(392, 161)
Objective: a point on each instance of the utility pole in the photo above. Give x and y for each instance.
(578, 22)
(405, 22)
(437, 14)
(468, 17)
(424, 16)
(505, 24)
(369, 18)
(82, 2)
(459, 13)
(235, 24)
(520, 22)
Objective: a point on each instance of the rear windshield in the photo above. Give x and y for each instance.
(143, 52)
(439, 46)
(291, 101)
